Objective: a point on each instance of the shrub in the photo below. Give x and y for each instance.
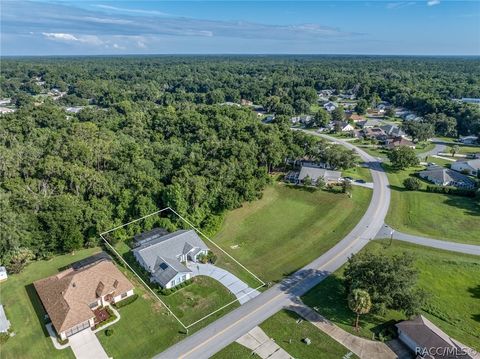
(126, 301)
(167, 292)
(412, 183)
(109, 332)
(452, 190)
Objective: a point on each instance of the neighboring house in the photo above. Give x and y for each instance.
(305, 119)
(162, 255)
(409, 116)
(428, 341)
(3, 273)
(470, 100)
(314, 173)
(375, 133)
(330, 106)
(4, 322)
(393, 131)
(4, 110)
(356, 118)
(259, 110)
(370, 123)
(472, 167)
(446, 177)
(74, 109)
(343, 126)
(395, 142)
(71, 296)
(268, 119)
(469, 140)
(245, 102)
(5, 101)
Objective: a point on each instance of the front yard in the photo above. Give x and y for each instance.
(451, 280)
(288, 330)
(288, 228)
(434, 215)
(25, 311)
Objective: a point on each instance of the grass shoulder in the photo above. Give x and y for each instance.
(451, 280)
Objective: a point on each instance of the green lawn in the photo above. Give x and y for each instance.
(435, 215)
(289, 227)
(288, 334)
(145, 329)
(234, 350)
(439, 161)
(200, 298)
(358, 173)
(25, 312)
(451, 279)
(422, 147)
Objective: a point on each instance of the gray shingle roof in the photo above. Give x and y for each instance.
(315, 173)
(166, 269)
(171, 245)
(447, 177)
(4, 322)
(426, 335)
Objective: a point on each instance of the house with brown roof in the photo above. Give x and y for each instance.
(71, 296)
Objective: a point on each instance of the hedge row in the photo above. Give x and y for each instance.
(166, 291)
(452, 190)
(127, 301)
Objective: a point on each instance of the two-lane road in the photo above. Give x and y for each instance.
(230, 327)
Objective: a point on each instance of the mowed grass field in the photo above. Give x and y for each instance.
(434, 215)
(288, 334)
(451, 279)
(289, 227)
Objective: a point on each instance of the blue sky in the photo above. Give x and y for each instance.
(423, 27)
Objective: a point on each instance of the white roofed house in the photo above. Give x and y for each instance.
(469, 140)
(163, 255)
(471, 167)
(330, 106)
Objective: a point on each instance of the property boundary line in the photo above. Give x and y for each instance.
(204, 236)
(145, 284)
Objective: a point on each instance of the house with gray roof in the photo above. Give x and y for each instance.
(446, 177)
(314, 172)
(472, 167)
(4, 322)
(163, 254)
(393, 131)
(428, 341)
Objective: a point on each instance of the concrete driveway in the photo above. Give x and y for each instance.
(240, 289)
(85, 345)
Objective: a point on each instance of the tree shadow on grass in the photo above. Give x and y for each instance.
(470, 205)
(37, 307)
(475, 291)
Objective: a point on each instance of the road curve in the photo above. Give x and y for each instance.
(209, 340)
(386, 232)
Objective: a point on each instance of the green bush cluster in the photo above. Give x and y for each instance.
(412, 183)
(452, 190)
(127, 301)
(168, 291)
(109, 332)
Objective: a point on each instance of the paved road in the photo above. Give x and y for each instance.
(439, 147)
(233, 325)
(385, 232)
(235, 285)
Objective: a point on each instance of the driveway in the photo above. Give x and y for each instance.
(85, 345)
(386, 232)
(240, 289)
(259, 343)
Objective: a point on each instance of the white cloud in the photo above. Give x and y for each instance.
(433, 2)
(85, 39)
(399, 5)
(133, 11)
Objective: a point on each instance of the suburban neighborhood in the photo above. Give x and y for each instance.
(228, 179)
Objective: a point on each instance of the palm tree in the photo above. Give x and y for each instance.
(454, 150)
(359, 302)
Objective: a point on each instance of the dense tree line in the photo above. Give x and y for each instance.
(282, 84)
(65, 179)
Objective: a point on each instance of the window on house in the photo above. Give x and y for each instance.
(124, 295)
